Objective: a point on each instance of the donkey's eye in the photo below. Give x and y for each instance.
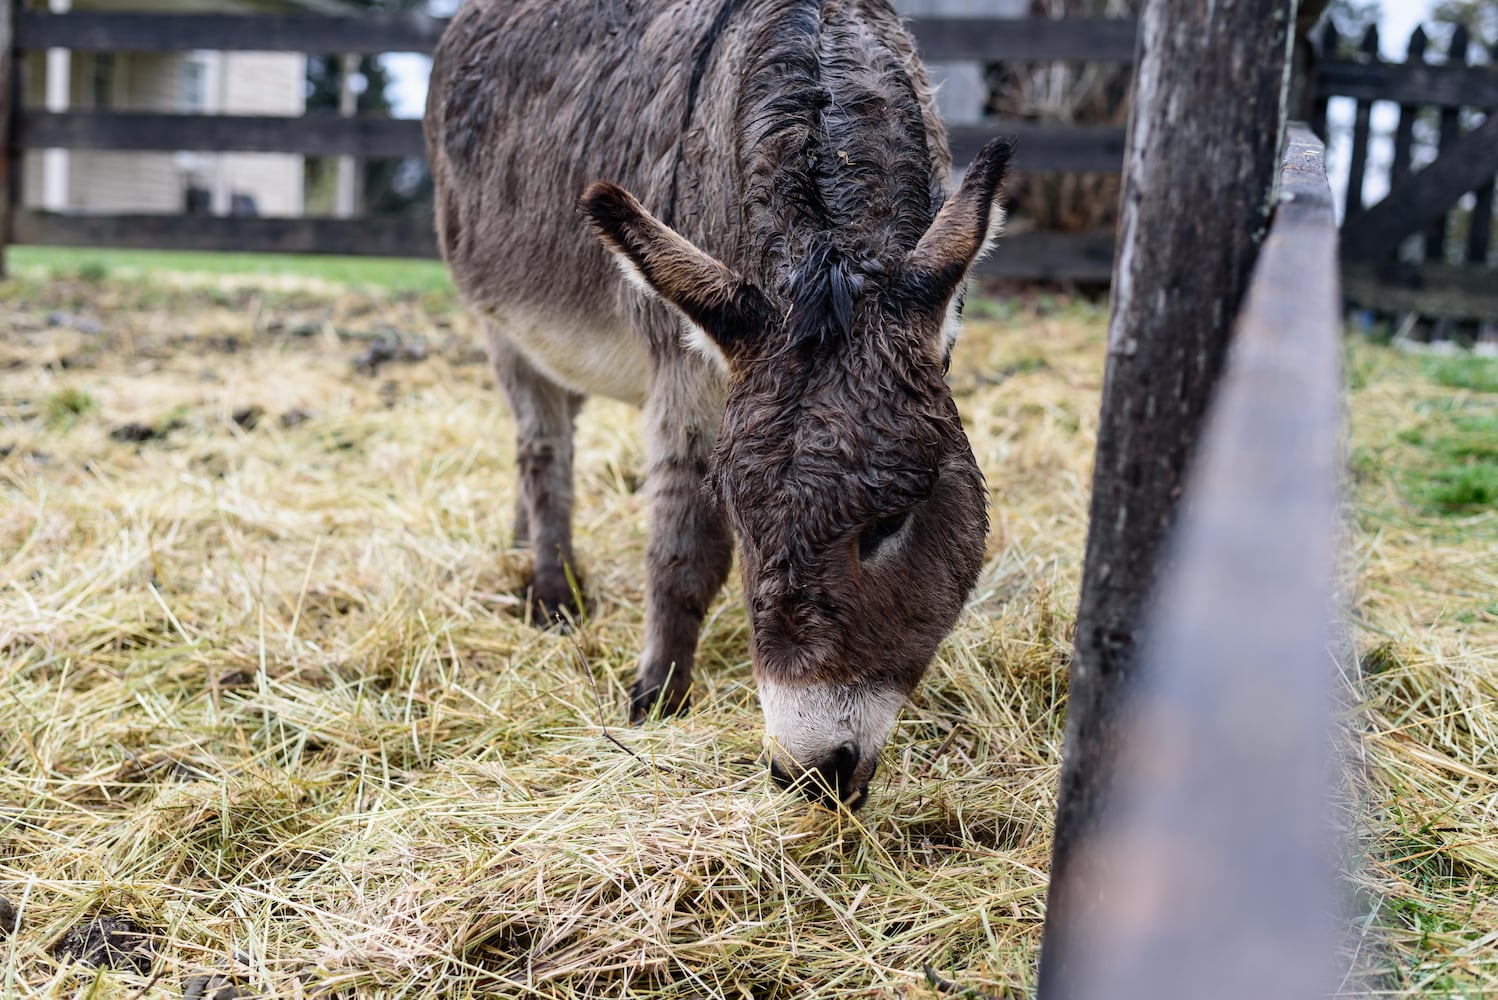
(880, 532)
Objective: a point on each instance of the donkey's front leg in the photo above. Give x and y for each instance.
(544, 416)
(691, 545)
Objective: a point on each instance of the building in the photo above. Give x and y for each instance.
(228, 83)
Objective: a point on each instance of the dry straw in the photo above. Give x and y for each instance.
(267, 699)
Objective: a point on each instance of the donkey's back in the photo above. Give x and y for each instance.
(531, 101)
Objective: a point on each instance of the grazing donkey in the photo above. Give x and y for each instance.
(807, 270)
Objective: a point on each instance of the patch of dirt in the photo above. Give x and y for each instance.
(216, 986)
(135, 433)
(248, 417)
(385, 350)
(108, 943)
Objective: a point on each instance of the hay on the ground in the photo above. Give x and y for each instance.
(269, 700)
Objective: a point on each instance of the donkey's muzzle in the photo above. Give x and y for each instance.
(828, 783)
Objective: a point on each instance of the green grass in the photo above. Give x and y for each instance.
(62, 409)
(390, 274)
(1463, 372)
(1442, 457)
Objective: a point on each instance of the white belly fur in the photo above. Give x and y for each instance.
(594, 360)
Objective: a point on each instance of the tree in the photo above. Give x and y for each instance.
(1481, 19)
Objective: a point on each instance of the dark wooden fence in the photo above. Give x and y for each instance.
(1433, 274)
(1043, 147)
(1418, 250)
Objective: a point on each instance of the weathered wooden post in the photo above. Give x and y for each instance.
(347, 191)
(10, 165)
(1199, 175)
(1208, 869)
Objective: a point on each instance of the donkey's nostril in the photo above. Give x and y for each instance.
(839, 770)
(827, 784)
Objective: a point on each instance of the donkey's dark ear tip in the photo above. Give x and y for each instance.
(993, 159)
(604, 200)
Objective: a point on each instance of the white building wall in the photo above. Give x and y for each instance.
(238, 83)
(265, 83)
(107, 181)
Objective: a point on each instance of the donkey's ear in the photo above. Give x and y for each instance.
(727, 310)
(964, 229)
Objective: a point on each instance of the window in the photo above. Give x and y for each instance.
(194, 88)
(101, 80)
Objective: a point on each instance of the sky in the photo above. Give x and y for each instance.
(1396, 22)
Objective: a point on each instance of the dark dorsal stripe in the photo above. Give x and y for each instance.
(694, 83)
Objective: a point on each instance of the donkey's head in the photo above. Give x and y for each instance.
(841, 462)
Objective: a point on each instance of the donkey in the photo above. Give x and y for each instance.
(803, 277)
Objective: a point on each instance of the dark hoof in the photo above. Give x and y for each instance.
(647, 701)
(551, 614)
(552, 603)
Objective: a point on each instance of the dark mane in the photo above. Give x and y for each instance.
(834, 144)
(781, 106)
(822, 290)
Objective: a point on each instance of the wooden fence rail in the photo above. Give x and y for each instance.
(987, 39)
(1210, 872)
(1075, 148)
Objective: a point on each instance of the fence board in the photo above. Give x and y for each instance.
(1027, 256)
(1480, 228)
(1213, 875)
(1096, 148)
(1326, 49)
(1045, 147)
(1047, 256)
(374, 237)
(1362, 120)
(312, 135)
(1441, 86)
(1451, 130)
(983, 39)
(1467, 163)
(96, 31)
(1404, 132)
(1032, 39)
(1450, 291)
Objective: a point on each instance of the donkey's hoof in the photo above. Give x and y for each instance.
(645, 700)
(548, 613)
